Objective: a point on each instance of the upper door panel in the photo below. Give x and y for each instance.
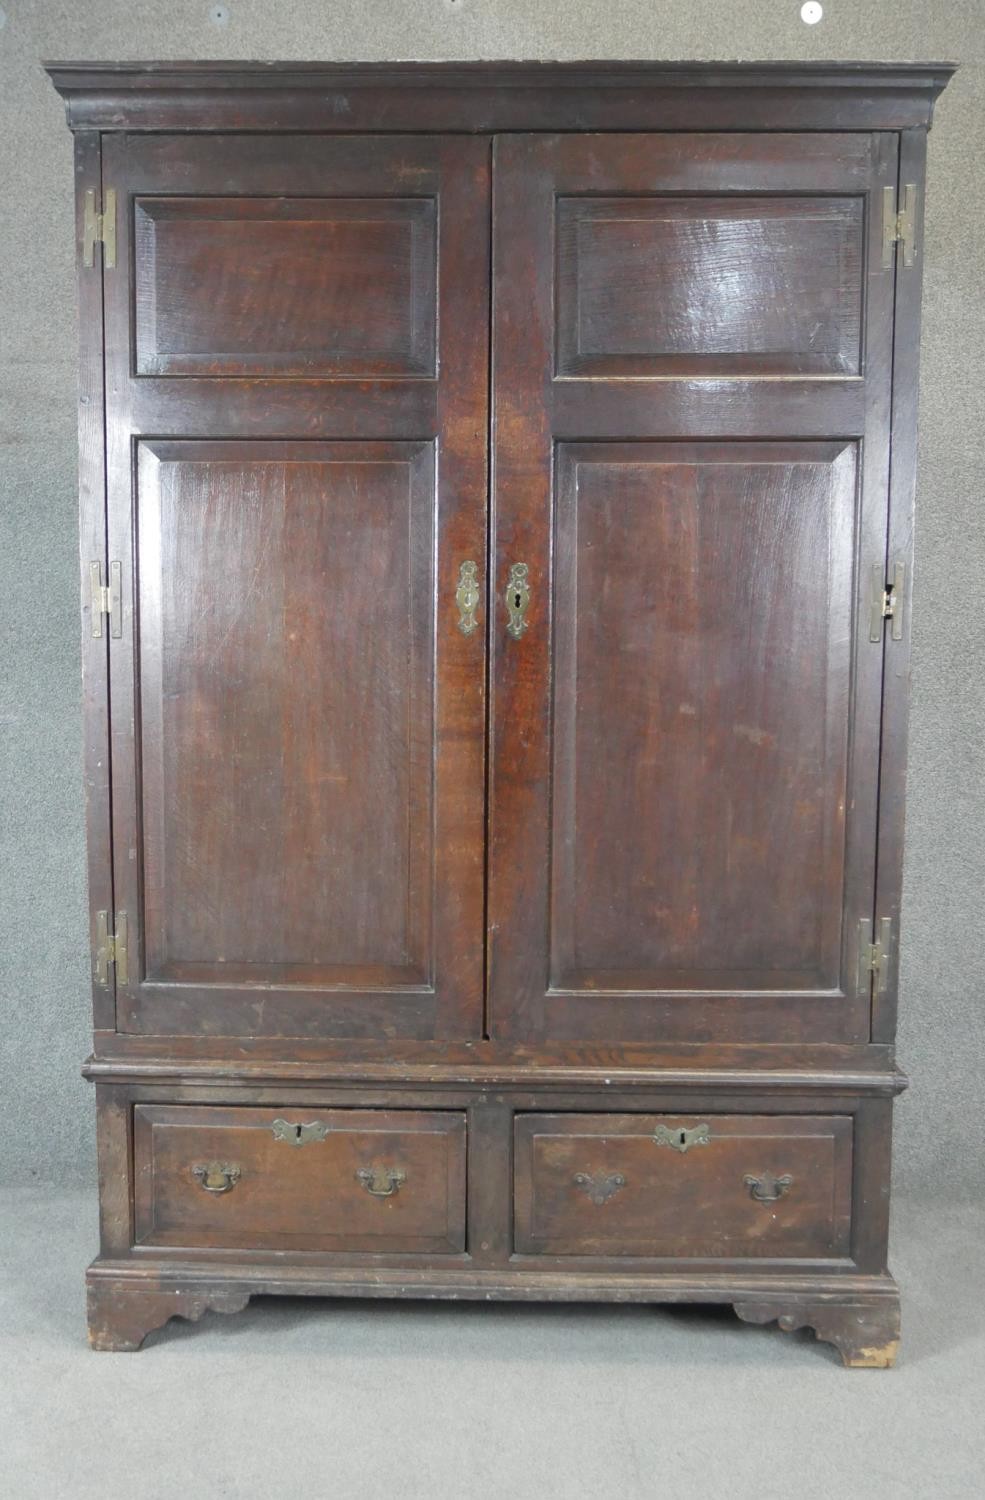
(297, 357)
(709, 285)
(285, 286)
(691, 380)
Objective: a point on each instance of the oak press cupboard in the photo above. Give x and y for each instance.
(496, 514)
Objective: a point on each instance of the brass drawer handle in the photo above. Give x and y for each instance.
(217, 1176)
(297, 1135)
(382, 1182)
(767, 1189)
(682, 1139)
(600, 1187)
(517, 600)
(467, 597)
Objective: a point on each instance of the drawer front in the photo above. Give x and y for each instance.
(299, 1179)
(730, 1186)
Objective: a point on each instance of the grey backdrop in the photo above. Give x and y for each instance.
(46, 1115)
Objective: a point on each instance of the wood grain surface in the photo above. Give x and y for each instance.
(410, 904)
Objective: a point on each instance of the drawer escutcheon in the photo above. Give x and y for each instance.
(297, 1135)
(682, 1139)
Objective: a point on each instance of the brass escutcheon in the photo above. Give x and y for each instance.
(297, 1135)
(467, 597)
(517, 600)
(682, 1139)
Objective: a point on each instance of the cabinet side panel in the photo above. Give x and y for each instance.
(92, 548)
(896, 666)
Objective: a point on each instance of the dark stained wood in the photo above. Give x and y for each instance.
(865, 1331)
(127, 1302)
(297, 820)
(490, 1235)
(698, 697)
(92, 548)
(699, 407)
(701, 650)
(299, 1197)
(292, 286)
(284, 601)
(120, 1315)
(703, 411)
(896, 659)
(492, 1109)
(600, 1185)
(488, 96)
(871, 1183)
(196, 406)
(114, 1145)
(661, 286)
(493, 1064)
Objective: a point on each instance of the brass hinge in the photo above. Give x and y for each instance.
(99, 227)
(106, 600)
(886, 602)
(111, 948)
(899, 226)
(873, 957)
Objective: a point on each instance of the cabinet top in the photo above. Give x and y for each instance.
(489, 96)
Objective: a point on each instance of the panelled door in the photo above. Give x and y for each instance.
(691, 378)
(296, 333)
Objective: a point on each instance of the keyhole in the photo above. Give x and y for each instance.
(682, 1136)
(297, 1132)
(516, 601)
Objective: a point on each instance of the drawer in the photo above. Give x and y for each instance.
(683, 1186)
(299, 1179)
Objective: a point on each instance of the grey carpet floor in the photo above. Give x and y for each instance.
(311, 1400)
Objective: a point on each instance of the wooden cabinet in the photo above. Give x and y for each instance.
(496, 505)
